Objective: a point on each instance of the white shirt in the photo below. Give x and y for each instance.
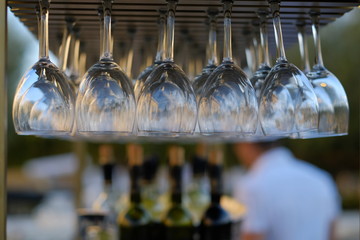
(288, 199)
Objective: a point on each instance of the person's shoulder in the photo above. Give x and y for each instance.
(315, 172)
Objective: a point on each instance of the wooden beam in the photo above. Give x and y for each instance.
(3, 119)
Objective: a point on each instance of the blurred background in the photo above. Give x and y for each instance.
(43, 176)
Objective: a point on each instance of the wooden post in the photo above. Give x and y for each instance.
(3, 119)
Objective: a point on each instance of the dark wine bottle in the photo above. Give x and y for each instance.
(216, 222)
(106, 201)
(178, 221)
(134, 223)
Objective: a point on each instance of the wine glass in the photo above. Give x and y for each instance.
(74, 60)
(287, 102)
(332, 99)
(228, 105)
(264, 68)
(211, 51)
(158, 58)
(105, 103)
(167, 102)
(304, 53)
(43, 102)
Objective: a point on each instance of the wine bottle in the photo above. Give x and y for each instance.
(106, 201)
(134, 223)
(178, 221)
(216, 222)
(198, 193)
(151, 193)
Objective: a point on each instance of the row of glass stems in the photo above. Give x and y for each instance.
(222, 101)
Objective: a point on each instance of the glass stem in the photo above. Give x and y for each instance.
(82, 64)
(278, 32)
(227, 32)
(44, 37)
(101, 16)
(169, 55)
(107, 54)
(161, 43)
(65, 51)
(258, 54)
(130, 56)
(264, 42)
(212, 43)
(75, 61)
(316, 34)
(303, 48)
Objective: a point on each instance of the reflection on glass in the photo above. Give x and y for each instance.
(228, 104)
(211, 52)
(43, 102)
(159, 55)
(331, 96)
(105, 103)
(167, 104)
(264, 68)
(287, 102)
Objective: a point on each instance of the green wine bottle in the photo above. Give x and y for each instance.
(178, 221)
(216, 222)
(150, 189)
(134, 223)
(198, 193)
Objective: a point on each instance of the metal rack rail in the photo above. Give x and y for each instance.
(142, 16)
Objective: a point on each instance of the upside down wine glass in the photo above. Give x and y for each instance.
(43, 102)
(105, 103)
(211, 51)
(287, 102)
(332, 99)
(158, 58)
(228, 105)
(167, 103)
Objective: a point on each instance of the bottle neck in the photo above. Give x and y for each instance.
(106, 42)
(44, 36)
(108, 173)
(227, 33)
(278, 32)
(212, 47)
(316, 35)
(169, 49)
(215, 172)
(161, 43)
(135, 174)
(176, 180)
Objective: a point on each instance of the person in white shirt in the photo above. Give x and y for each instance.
(285, 198)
